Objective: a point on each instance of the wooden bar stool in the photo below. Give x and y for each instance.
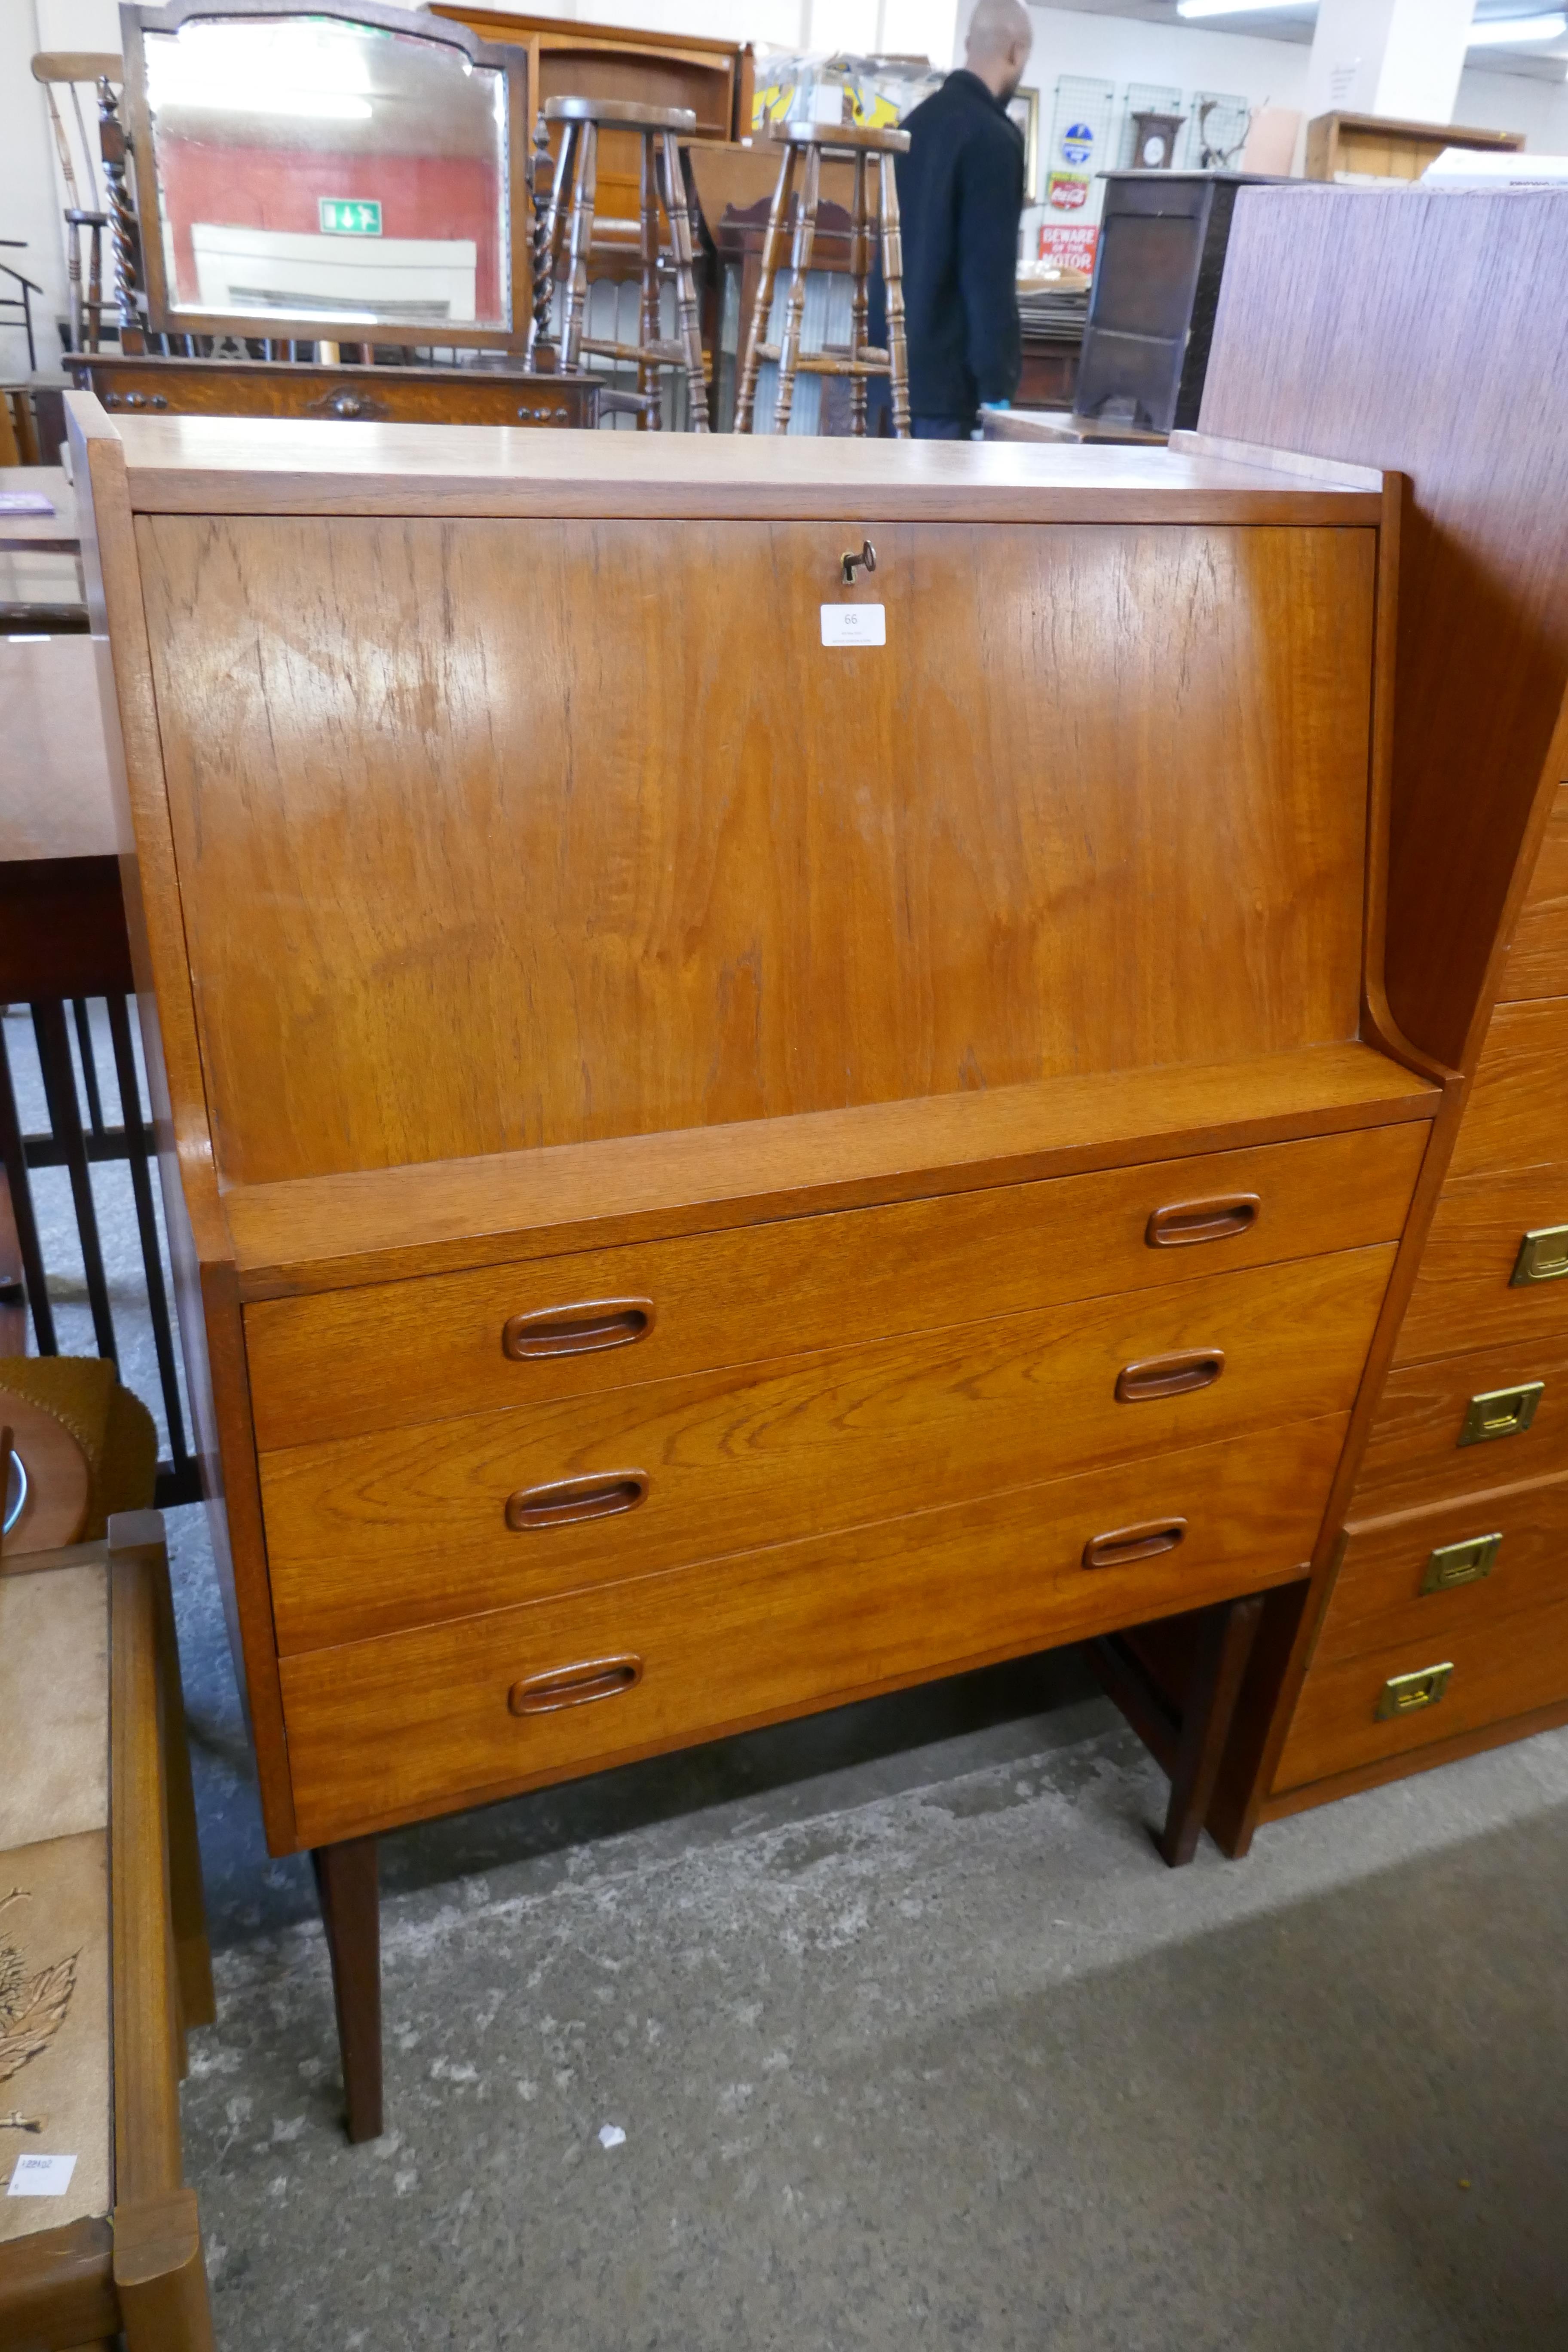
(864, 147)
(659, 128)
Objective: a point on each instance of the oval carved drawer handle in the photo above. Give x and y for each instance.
(1169, 1376)
(576, 1685)
(1219, 1220)
(1124, 1545)
(577, 1330)
(564, 1501)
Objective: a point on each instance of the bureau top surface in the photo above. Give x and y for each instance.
(242, 464)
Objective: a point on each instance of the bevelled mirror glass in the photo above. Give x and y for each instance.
(315, 172)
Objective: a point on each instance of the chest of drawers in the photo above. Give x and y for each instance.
(749, 1130)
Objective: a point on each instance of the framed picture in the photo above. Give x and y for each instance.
(1024, 109)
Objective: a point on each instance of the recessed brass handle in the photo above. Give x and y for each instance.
(1406, 1693)
(577, 1330)
(564, 1501)
(1460, 1563)
(1219, 1220)
(1124, 1545)
(576, 1685)
(1501, 1412)
(1543, 1257)
(1169, 1376)
(866, 558)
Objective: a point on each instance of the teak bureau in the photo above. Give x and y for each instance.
(751, 1128)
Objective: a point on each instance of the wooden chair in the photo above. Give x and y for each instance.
(659, 129)
(73, 70)
(863, 145)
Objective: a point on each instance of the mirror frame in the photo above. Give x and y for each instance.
(510, 62)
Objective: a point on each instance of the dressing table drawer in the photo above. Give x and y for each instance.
(386, 1729)
(342, 1363)
(366, 1534)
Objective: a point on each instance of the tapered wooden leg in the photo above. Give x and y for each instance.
(346, 1882)
(1186, 1738)
(160, 2275)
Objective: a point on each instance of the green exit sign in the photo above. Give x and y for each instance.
(349, 217)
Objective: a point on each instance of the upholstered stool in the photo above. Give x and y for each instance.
(659, 129)
(867, 148)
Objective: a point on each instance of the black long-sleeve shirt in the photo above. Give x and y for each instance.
(961, 194)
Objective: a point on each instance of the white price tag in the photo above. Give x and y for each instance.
(41, 2176)
(854, 624)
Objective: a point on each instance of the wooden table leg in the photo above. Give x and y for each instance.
(1223, 1647)
(347, 1883)
(1188, 1744)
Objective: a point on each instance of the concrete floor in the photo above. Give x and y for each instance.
(913, 2040)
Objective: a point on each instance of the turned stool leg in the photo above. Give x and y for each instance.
(893, 278)
(346, 1882)
(762, 309)
(647, 331)
(685, 282)
(800, 264)
(587, 151)
(860, 243)
(541, 350)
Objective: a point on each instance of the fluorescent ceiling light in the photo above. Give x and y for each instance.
(1488, 30)
(1231, 8)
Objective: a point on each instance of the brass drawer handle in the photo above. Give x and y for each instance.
(577, 1330)
(1406, 1693)
(1460, 1563)
(564, 1501)
(576, 1685)
(1543, 1257)
(1123, 1545)
(1219, 1220)
(1169, 1376)
(1501, 1412)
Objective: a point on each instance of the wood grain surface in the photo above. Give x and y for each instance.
(408, 1527)
(1516, 1114)
(1413, 1456)
(391, 1729)
(209, 466)
(344, 1362)
(1502, 1670)
(394, 1223)
(1378, 1600)
(1445, 363)
(1463, 1297)
(1538, 958)
(644, 901)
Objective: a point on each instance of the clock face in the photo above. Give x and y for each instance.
(1153, 149)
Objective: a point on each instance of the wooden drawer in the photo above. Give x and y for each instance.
(1413, 1456)
(1500, 1669)
(1538, 960)
(1465, 1293)
(368, 1534)
(1415, 1579)
(389, 1730)
(342, 1363)
(1516, 1114)
(387, 395)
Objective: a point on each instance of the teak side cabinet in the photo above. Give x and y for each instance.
(722, 1170)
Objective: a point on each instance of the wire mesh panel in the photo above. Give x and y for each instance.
(1080, 145)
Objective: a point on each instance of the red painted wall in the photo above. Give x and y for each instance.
(279, 188)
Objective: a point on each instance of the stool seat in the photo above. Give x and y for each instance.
(877, 139)
(659, 131)
(622, 114)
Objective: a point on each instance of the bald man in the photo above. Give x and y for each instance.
(961, 192)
